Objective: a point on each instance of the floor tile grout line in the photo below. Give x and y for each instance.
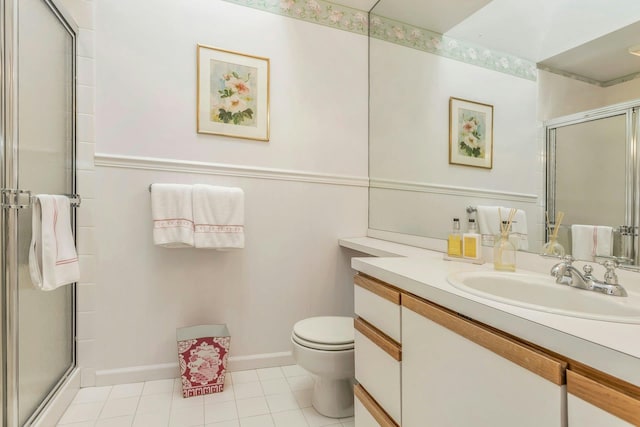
(95, 420)
(235, 403)
(137, 405)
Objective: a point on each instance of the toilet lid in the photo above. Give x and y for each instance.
(325, 333)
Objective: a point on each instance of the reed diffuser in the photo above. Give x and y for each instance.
(552, 247)
(504, 252)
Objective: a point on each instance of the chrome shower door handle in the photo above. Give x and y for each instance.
(13, 198)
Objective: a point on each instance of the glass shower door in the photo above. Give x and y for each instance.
(46, 135)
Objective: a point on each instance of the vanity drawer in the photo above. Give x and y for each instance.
(594, 403)
(377, 360)
(379, 304)
(367, 411)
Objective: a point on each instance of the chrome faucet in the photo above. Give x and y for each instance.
(566, 274)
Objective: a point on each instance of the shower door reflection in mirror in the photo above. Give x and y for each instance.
(590, 179)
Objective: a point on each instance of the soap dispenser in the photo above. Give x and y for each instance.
(454, 243)
(471, 242)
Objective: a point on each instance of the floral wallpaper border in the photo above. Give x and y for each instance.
(315, 11)
(606, 83)
(569, 75)
(357, 21)
(622, 79)
(429, 41)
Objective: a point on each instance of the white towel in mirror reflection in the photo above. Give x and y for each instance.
(489, 225)
(590, 241)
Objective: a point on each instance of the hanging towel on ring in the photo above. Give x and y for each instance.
(53, 260)
(218, 215)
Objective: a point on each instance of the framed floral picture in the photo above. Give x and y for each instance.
(470, 133)
(233, 94)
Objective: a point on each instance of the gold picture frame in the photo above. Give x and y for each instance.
(470, 133)
(233, 94)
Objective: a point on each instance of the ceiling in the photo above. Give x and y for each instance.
(605, 59)
(589, 38)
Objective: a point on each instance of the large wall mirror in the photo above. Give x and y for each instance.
(533, 62)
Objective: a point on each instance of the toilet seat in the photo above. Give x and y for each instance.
(331, 333)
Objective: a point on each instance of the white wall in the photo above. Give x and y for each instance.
(409, 140)
(560, 96)
(622, 92)
(147, 91)
(291, 267)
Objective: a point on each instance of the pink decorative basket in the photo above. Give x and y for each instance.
(202, 354)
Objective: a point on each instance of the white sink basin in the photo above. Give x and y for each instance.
(541, 293)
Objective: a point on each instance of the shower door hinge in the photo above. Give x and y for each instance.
(14, 198)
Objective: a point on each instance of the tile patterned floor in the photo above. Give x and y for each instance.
(271, 397)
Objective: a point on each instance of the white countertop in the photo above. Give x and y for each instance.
(611, 347)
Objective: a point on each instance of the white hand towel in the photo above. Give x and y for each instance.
(172, 212)
(489, 225)
(53, 260)
(218, 214)
(589, 241)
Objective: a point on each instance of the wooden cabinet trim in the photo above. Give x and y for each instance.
(548, 367)
(605, 379)
(606, 398)
(377, 337)
(379, 288)
(372, 407)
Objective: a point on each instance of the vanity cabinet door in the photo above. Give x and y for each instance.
(458, 373)
(593, 404)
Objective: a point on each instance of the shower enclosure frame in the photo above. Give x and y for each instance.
(9, 156)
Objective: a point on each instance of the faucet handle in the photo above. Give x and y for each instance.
(568, 259)
(610, 276)
(588, 269)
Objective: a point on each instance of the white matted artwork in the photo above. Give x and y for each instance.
(470, 133)
(233, 94)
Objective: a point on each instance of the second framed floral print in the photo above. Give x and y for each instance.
(470, 133)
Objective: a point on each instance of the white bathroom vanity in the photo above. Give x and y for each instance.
(430, 354)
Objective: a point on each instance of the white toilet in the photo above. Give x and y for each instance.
(324, 347)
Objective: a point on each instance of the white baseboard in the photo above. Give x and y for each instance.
(257, 361)
(60, 402)
(170, 370)
(136, 374)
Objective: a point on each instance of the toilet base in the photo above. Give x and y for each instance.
(333, 398)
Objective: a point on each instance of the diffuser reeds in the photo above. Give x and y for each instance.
(505, 226)
(552, 247)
